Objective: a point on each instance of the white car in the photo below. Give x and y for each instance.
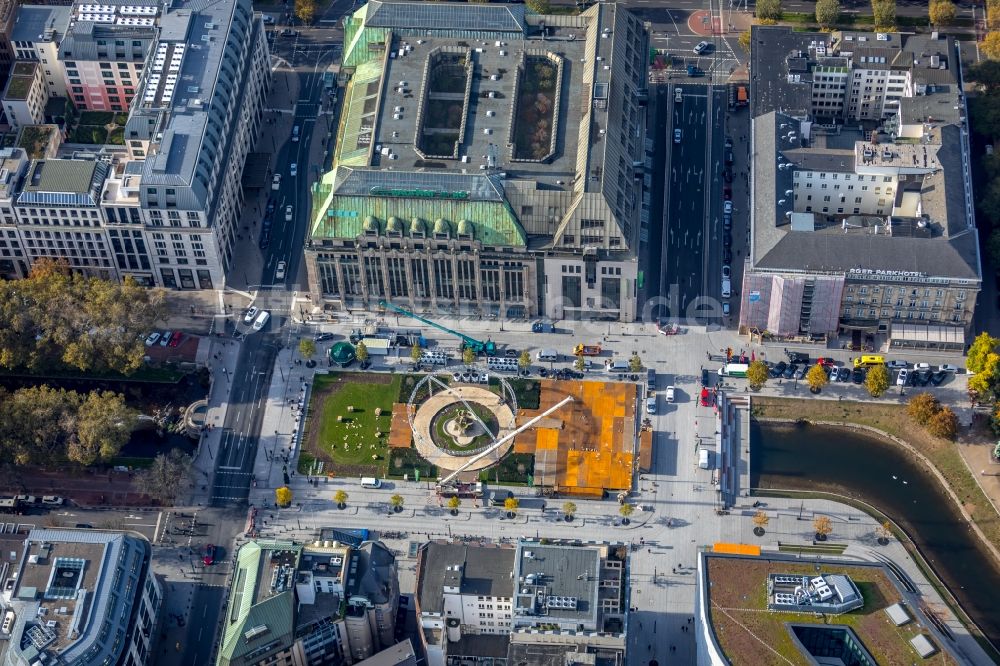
(165, 338)
(948, 367)
(288, 214)
(700, 48)
(294, 169)
(670, 394)
(902, 377)
(251, 314)
(279, 271)
(727, 207)
(276, 182)
(152, 338)
(52, 500)
(897, 364)
(727, 272)
(651, 404)
(921, 366)
(261, 320)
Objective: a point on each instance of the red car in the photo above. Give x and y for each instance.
(706, 397)
(825, 361)
(175, 339)
(209, 556)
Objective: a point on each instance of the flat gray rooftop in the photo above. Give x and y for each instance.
(489, 119)
(561, 572)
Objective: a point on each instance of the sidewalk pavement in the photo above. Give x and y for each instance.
(223, 355)
(985, 469)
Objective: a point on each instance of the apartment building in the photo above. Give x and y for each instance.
(36, 35)
(455, 188)
(25, 95)
(81, 596)
(8, 14)
(862, 221)
(14, 263)
(303, 605)
(516, 605)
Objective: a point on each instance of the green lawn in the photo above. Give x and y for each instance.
(351, 441)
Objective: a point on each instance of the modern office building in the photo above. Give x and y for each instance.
(486, 159)
(25, 95)
(81, 597)
(862, 218)
(306, 605)
(13, 261)
(105, 49)
(513, 605)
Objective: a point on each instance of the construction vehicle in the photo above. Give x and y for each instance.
(478, 346)
(587, 350)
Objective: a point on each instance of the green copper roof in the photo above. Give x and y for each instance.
(250, 607)
(358, 115)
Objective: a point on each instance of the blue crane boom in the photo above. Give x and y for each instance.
(489, 347)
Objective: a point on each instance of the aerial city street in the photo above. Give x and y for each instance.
(398, 332)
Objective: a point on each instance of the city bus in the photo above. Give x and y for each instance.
(868, 361)
(734, 370)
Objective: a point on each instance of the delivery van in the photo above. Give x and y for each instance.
(703, 458)
(547, 355)
(370, 482)
(868, 361)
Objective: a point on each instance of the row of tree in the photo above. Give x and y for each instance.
(984, 386)
(940, 13)
(876, 379)
(45, 426)
(56, 318)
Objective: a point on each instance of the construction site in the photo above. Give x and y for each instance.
(584, 435)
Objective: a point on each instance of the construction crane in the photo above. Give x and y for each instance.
(478, 346)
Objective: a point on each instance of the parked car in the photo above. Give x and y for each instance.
(725, 306)
(826, 362)
(270, 206)
(728, 175)
(778, 370)
(790, 371)
(727, 272)
(293, 169)
(727, 221)
(902, 377)
(176, 338)
(152, 338)
(704, 377)
(323, 337)
(801, 373)
(923, 377)
(26, 499)
(727, 239)
(52, 500)
(208, 555)
(797, 357)
(677, 135)
(938, 377)
(947, 367)
(670, 394)
(843, 374)
(895, 365)
(921, 366)
(858, 375)
(701, 47)
(727, 208)
(165, 338)
(727, 255)
(251, 314)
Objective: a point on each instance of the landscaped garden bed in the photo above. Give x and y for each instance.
(444, 104)
(535, 113)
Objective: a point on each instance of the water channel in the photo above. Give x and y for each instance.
(808, 457)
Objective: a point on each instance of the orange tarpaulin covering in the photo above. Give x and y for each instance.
(736, 549)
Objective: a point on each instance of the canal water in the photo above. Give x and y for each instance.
(808, 457)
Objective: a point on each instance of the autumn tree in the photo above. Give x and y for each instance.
(468, 356)
(511, 505)
(760, 520)
(307, 348)
(990, 46)
(361, 351)
(305, 10)
(538, 6)
(635, 363)
(569, 510)
(827, 12)
(524, 360)
(941, 12)
(283, 496)
(340, 498)
(580, 363)
(626, 511)
(167, 475)
(817, 378)
(396, 502)
(983, 384)
(981, 347)
(769, 10)
(884, 531)
(453, 503)
(944, 424)
(416, 353)
(822, 526)
(877, 380)
(104, 424)
(922, 407)
(885, 15)
(757, 375)
(744, 40)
